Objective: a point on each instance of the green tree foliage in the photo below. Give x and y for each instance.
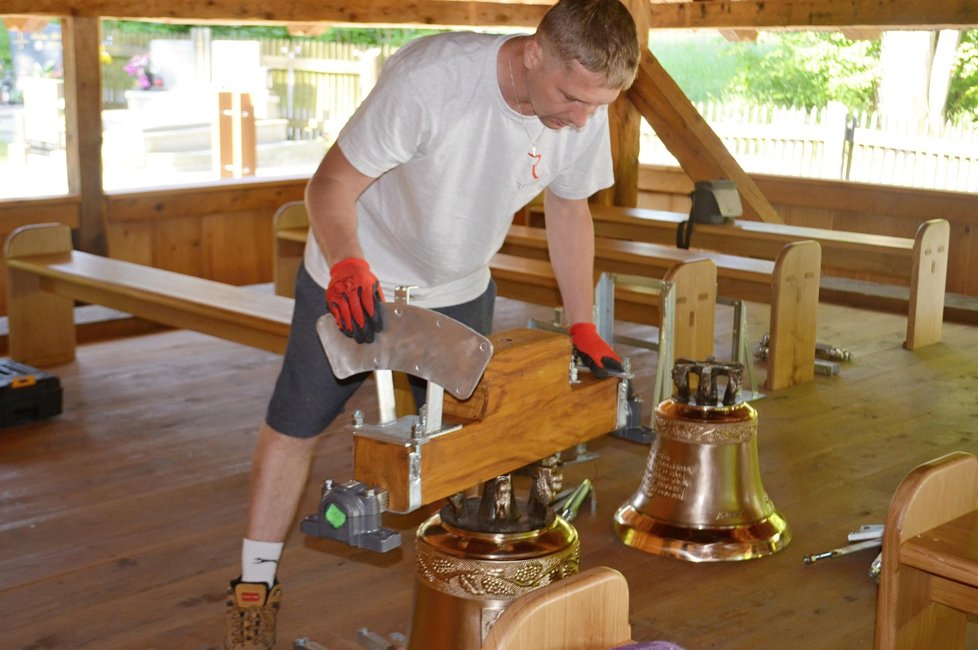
(703, 64)
(962, 97)
(6, 58)
(808, 69)
(789, 69)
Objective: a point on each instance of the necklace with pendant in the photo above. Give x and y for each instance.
(535, 157)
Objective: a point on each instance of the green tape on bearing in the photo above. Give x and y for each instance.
(334, 516)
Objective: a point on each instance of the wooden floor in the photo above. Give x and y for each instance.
(120, 520)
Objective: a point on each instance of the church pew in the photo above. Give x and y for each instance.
(859, 269)
(789, 285)
(290, 226)
(929, 575)
(587, 611)
(45, 276)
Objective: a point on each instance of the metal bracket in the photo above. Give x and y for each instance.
(629, 418)
(350, 513)
(740, 347)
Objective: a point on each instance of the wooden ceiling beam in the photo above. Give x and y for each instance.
(810, 14)
(689, 138)
(442, 13)
(671, 14)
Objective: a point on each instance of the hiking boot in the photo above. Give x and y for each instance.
(251, 614)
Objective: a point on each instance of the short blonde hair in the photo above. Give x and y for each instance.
(599, 34)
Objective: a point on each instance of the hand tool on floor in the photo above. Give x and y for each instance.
(868, 536)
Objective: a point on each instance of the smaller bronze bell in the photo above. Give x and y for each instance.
(476, 556)
(701, 498)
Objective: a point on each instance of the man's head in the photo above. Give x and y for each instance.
(583, 54)
(598, 34)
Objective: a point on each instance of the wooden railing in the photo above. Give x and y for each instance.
(833, 143)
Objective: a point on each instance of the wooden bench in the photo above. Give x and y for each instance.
(586, 611)
(863, 270)
(789, 285)
(929, 573)
(290, 226)
(45, 277)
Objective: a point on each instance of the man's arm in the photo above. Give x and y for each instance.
(354, 295)
(331, 197)
(570, 241)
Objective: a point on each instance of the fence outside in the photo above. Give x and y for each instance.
(833, 143)
(318, 85)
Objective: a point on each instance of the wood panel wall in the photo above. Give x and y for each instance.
(221, 232)
(841, 205)
(224, 231)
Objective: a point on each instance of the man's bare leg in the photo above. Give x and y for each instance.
(279, 472)
(279, 469)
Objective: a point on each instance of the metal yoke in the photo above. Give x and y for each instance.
(351, 512)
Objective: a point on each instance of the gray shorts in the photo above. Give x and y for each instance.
(307, 396)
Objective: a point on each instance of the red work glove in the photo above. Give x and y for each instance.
(355, 299)
(593, 351)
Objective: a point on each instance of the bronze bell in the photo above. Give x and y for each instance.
(701, 497)
(476, 556)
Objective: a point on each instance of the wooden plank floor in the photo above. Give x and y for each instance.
(120, 520)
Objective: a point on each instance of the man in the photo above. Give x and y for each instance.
(461, 131)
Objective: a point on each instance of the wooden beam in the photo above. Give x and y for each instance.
(805, 14)
(526, 381)
(356, 12)
(680, 14)
(83, 126)
(689, 138)
(626, 123)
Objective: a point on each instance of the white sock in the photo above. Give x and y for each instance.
(259, 561)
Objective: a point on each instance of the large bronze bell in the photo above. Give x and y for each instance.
(476, 556)
(701, 497)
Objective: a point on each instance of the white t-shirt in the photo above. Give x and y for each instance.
(452, 162)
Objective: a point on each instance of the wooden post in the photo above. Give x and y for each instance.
(235, 135)
(834, 128)
(83, 126)
(625, 122)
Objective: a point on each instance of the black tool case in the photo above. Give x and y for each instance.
(27, 394)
